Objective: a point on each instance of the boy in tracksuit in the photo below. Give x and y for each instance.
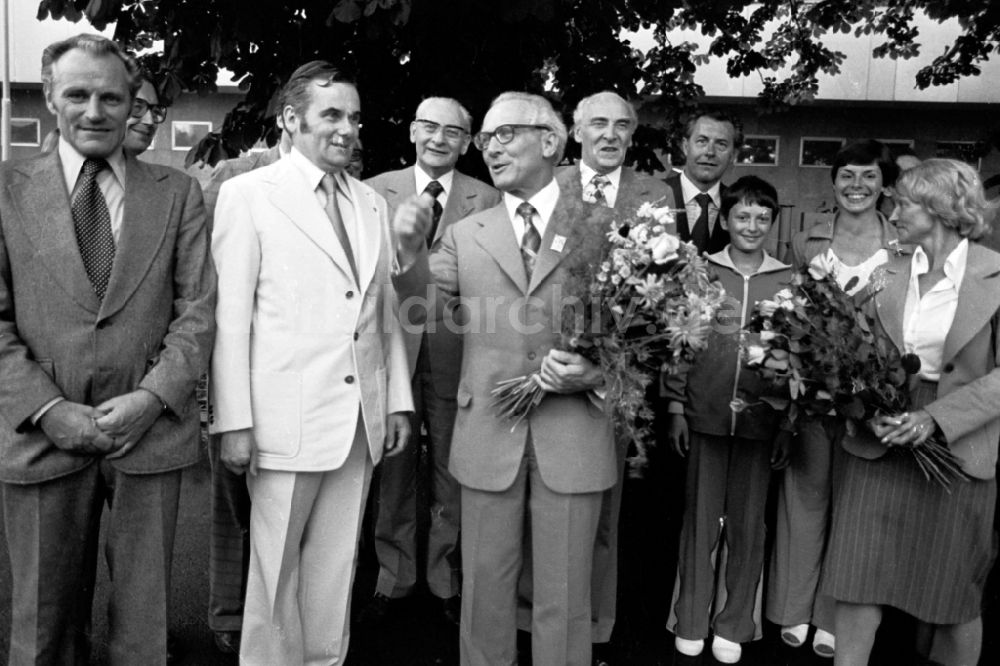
(731, 440)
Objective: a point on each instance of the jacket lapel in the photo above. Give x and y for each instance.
(496, 237)
(46, 219)
(292, 196)
(978, 300)
(369, 233)
(148, 208)
(559, 226)
(461, 204)
(399, 188)
(891, 300)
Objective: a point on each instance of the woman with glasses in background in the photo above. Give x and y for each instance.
(147, 114)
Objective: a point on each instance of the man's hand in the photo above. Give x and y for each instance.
(397, 434)
(126, 418)
(677, 434)
(238, 451)
(566, 372)
(781, 449)
(71, 426)
(909, 429)
(411, 224)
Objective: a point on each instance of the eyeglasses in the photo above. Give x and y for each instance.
(451, 132)
(504, 134)
(141, 106)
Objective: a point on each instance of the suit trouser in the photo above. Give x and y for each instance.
(803, 519)
(604, 577)
(396, 525)
(304, 530)
(53, 531)
(562, 529)
(228, 543)
(721, 564)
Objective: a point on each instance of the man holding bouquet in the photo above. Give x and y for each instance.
(505, 267)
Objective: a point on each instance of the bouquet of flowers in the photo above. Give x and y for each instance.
(639, 301)
(819, 341)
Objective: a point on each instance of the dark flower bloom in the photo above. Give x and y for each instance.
(910, 363)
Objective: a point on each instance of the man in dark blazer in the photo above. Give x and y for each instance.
(440, 132)
(107, 296)
(711, 143)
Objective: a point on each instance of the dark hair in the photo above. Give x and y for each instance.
(863, 153)
(96, 45)
(719, 117)
(296, 93)
(750, 190)
(146, 76)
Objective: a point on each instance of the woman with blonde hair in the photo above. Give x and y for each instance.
(898, 539)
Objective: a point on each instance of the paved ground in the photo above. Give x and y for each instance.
(414, 635)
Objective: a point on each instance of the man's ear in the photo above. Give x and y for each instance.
(289, 119)
(47, 92)
(465, 144)
(550, 143)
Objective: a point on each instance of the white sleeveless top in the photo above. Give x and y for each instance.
(863, 271)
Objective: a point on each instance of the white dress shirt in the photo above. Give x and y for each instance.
(688, 192)
(111, 182)
(610, 190)
(422, 178)
(928, 318)
(544, 202)
(314, 177)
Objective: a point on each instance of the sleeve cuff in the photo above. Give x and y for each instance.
(37, 416)
(675, 407)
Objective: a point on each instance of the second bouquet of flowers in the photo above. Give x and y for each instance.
(638, 301)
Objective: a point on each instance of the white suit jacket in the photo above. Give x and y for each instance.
(301, 345)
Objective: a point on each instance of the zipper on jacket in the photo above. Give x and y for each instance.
(739, 354)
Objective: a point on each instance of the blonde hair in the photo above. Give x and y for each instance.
(951, 191)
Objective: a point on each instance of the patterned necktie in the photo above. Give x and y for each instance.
(92, 223)
(599, 182)
(699, 233)
(434, 189)
(531, 240)
(329, 186)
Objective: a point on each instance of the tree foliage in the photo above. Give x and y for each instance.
(403, 50)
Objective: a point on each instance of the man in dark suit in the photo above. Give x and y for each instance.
(545, 476)
(440, 132)
(711, 143)
(107, 296)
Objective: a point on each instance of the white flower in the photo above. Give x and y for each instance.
(783, 295)
(821, 266)
(766, 335)
(664, 248)
(645, 210)
(755, 354)
(663, 215)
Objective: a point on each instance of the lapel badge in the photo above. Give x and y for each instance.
(558, 242)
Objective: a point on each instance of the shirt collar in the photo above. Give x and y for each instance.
(422, 178)
(314, 175)
(544, 202)
(769, 264)
(954, 265)
(72, 163)
(587, 174)
(689, 191)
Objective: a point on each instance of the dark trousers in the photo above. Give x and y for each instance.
(229, 544)
(52, 536)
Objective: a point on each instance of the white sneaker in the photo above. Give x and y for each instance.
(795, 636)
(824, 644)
(726, 652)
(689, 648)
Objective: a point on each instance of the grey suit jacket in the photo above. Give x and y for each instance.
(154, 329)
(634, 189)
(443, 345)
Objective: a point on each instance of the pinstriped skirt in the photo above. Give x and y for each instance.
(899, 540)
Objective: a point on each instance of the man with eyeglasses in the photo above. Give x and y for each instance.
(540, 480)
(309, 385)
(440, 132)
(147, 115)
(107, 306)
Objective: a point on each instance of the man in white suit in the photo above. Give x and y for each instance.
(309, 376)
(440, 132)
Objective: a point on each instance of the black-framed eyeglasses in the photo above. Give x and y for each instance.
(504, 134)
(141, 106)
(451, 132)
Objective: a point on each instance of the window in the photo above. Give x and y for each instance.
(898, 147)
(25, 132)
(819, 151)
(967, 151)
(185, 134)
(759, 151)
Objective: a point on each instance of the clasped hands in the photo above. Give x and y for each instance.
(112, 428)
(907, 429)
(566, 372)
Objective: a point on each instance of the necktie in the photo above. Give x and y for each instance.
(699, 233)
(92, 223)
(531, 240)
(600, 182)
(434, 189)
(329, 186)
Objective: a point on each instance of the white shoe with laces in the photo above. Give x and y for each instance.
(726, 651)
(689, 648)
